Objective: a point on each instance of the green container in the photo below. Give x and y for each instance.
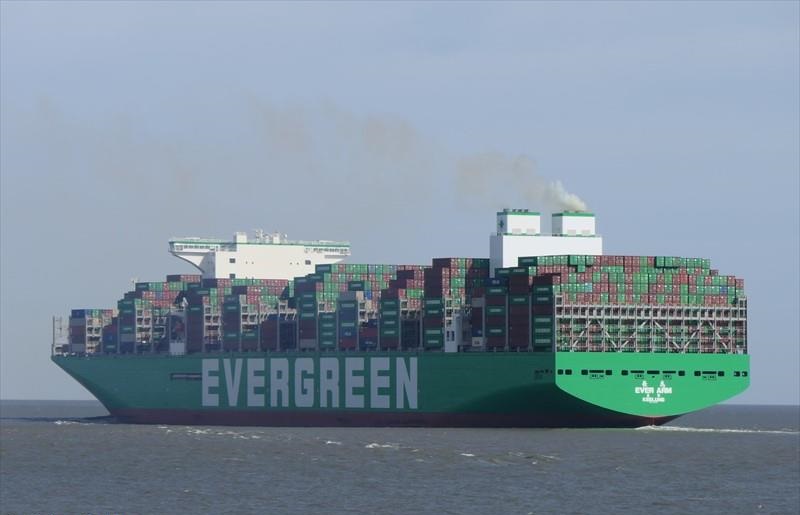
(495, 310)
(433, 343)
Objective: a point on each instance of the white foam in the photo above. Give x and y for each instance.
(682, 429)
(374, 445)
(332, 442)
(468, 455)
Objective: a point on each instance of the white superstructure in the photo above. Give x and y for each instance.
(519, 234)
(265, 256)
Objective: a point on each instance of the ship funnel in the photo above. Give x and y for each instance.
(573, 223)
(519, 221)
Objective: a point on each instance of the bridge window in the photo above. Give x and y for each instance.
(308, 261)
(232, 276)
(232, 260)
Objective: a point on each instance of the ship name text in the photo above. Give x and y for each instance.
(648, 392)
(313, 382)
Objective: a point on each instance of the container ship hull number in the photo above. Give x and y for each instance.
(326, 382)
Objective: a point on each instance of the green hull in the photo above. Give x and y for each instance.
(410, 389)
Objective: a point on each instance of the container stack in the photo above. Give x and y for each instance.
(204, 318)
(111, 337)
(661, 280)
(542, 312)
(268, 336)
(135, 315)
(327, 330)
(368, 334)
(545, 303)
(343, 277)
(287, 333)
(389, 335)
(580, 300)
(433, 319)
(306, 291)
(496, 300)
(408, 287)
(347, 308)
(519, 308)
(86, 329)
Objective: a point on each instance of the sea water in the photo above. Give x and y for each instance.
(69, 457)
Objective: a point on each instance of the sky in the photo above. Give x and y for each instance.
(400, 127)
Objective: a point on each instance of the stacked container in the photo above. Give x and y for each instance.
(389, 336)
(327, 330)
(86, 329)
(433, 320)
(306, 300)
(347, 308)
(568, 303)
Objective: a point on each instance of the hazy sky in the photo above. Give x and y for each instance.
(123, 124)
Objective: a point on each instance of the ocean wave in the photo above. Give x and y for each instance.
(684, 429)
(382, 446)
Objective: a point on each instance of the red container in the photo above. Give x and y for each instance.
(494, 342)
(542, 309)
(495, 300)
(476, 318)
(518, 343)
(518, 310)
(347, 343)
(432, 322)
(389, 343)
(495, 320)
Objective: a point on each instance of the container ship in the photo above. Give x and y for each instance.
(545, 332)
